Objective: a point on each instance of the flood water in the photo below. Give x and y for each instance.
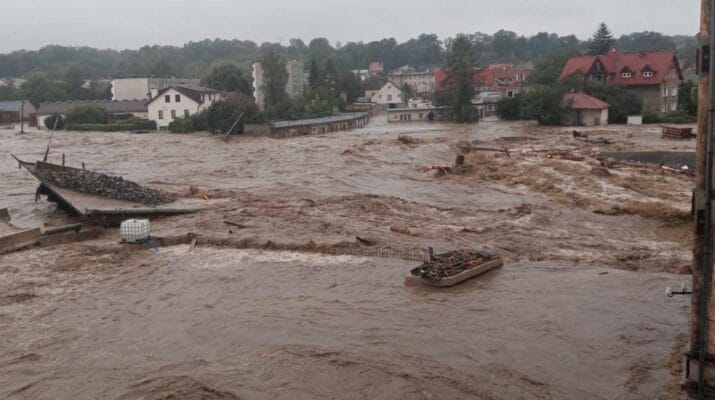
(578, 311)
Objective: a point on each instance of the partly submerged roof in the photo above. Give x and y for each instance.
(344, 117)
(582, 101)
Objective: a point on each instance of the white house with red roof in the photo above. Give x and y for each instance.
(584, 110)
(652, 76)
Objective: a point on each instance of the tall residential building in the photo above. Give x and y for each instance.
(296, 81)
(141, 88)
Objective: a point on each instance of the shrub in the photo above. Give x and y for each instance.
(509, 108)
(181, 125)
(86, 114)
(50, 121)
(223, 114)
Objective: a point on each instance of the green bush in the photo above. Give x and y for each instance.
(510, 108)
(50, 121)
(123, 126)
(181, 125)
(680, 117)
(86, 114)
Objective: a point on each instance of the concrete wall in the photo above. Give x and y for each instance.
(319, 128)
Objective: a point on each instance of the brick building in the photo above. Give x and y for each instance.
(652, 76)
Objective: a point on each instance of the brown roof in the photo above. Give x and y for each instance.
(615, 63)
(194, 93)
(582, 101)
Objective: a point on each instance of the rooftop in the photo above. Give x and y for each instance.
(582, 101)
(344, 117)
(111, 106)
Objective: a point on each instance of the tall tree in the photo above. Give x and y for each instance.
(275, 79)
(227, 76)
(601, 41)
(460, 64)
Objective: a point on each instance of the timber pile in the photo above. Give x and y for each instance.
(450, 264)
(114, 187)
(675, 132)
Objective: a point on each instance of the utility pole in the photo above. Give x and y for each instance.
(700, 360)
(22, 116)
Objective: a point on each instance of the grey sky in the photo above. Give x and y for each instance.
(30, 24)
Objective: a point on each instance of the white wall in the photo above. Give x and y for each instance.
(180, 107)
(130, 89)
(388, 94)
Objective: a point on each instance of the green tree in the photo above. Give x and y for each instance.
(86, 114)
(275, 79)
(548, 71)
(39, 89)
(227, 76)
(601, 41)
(221, 115)
(544, 104)
(459, 67)
(407, 91)
(688, 98)
(315, 73)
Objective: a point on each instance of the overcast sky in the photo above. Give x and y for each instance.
(119, 24)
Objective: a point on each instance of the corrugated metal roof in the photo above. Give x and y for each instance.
(317, 121)
(111, 106)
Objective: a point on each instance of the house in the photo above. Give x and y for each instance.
(417, 114)
(179, 101)
(115, 109)
(297, 80)
(332, 123)
(654, 77)
(363, 74)
(582, 109)
(376, 67)
(421, 82)
(389, 94)
(486, 103)
(141, 88)
(419, 103)
(10, 111)
(506, 79)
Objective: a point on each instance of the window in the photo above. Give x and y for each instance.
(674, 91)
(626, 75)
(510, 94)
(673, 106)
(167, 99)
(161, 114)
(405, 117)
(491, 107)
(389, 97)
(186, 113)
(177, 98)
(648, 74)
(663, 108)
(173, 113)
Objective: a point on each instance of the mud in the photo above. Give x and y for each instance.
(578, 311)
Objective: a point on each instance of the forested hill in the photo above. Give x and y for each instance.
(194, 58)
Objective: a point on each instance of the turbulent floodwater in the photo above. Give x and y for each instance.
(566, 318)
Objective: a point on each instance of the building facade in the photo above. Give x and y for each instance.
(417, 114)
(141, 88)
(654, 77)
(333, 123)
(295, 86)
(389, 94)
(421, 83)
(505, 79)
(180, 102)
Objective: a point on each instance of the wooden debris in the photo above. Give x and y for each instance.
(676, 132)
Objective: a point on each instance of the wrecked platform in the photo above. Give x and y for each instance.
(96, 196)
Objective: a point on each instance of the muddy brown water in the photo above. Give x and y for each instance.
(559, 321)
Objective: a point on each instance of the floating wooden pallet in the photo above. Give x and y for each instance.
(676, 132)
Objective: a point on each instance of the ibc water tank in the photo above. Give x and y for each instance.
(135, 230)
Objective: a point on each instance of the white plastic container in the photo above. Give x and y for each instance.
(135, 230)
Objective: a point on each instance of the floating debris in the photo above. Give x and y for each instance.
(453, 267)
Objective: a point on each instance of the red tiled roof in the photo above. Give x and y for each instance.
(614, 63)
(582, 101)
(487, 77)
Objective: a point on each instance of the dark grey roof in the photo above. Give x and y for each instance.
(404, 109)
(192, 92)
(13, 105)
(344, 117)
(111, 106)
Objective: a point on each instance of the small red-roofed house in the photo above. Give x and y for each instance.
(584, 110)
